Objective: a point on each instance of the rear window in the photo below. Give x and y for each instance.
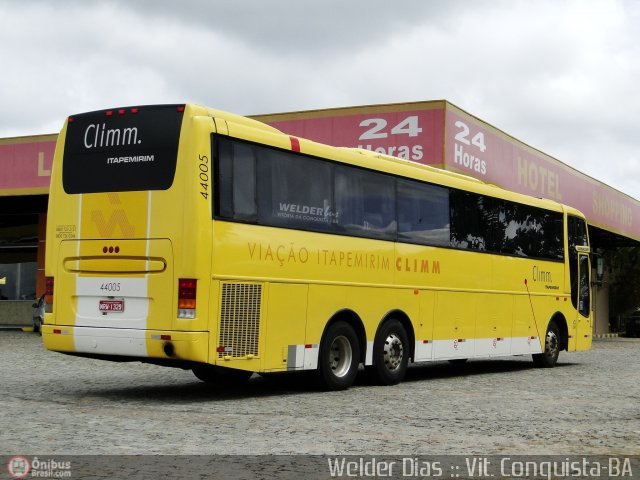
(124, 149)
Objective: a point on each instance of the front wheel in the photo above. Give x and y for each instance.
(339, 357)
(549, 357)
(390, 353)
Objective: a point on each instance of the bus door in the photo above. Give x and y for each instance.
(584, 320)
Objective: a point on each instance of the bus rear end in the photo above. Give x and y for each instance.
(123, 259)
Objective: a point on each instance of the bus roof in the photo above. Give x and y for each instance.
(389, 164)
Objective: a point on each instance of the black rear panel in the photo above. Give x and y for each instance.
(123, 149)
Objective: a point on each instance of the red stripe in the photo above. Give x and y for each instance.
(295, 144)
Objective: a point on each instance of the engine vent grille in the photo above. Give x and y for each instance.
(239, 319)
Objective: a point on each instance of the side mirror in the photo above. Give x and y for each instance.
(597, 259)
(599, 268)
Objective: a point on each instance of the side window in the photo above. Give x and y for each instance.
(244, 182)
(423, 213)
(294, 191)
(584, 305)
(484, 223)
(532, 232)
(235, 180)
(577, 236)
(258, 184)
(468, 213)
(577, 231)
(223, 178)
(365, 203)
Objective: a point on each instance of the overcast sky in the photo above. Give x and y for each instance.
(560, 75)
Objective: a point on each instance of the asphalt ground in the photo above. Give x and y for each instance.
(54, 404)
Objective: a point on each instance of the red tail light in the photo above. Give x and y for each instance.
(187, 288)
(48, 290)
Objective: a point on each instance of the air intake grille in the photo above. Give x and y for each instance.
(240, 319)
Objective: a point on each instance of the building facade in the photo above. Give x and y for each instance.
(435, 133)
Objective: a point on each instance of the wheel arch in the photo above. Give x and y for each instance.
(561, 322)
(404, 319)
(353, 319)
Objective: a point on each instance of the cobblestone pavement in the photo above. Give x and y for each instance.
(61, 405)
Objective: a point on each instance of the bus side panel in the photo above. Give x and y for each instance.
(455, 325)
(494, 325)
(424, 327)
(284, 347)
(526, 338)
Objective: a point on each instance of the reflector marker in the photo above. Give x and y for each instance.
(160, 337)
(295, 144)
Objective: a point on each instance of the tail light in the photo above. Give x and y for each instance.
(187, 297)
(48, 290)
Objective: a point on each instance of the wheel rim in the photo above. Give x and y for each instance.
(551, 344)
(393, 352)
(340, 356)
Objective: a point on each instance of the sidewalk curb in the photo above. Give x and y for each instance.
(606, 335)
(15, 328)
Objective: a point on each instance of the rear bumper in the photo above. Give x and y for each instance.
(125, 342)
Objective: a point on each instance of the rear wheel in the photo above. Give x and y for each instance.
(339, 357)
(549, 357)
(390, 353)
(220, 375)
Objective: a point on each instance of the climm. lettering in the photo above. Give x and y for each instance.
(417, 266)
(97, 135)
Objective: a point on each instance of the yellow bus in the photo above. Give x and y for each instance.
(189, 237)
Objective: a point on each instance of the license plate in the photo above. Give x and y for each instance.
(111, 305)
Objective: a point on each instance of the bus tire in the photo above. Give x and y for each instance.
(339, 357)
(390, 353)
(549, 357)
(220, 375)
